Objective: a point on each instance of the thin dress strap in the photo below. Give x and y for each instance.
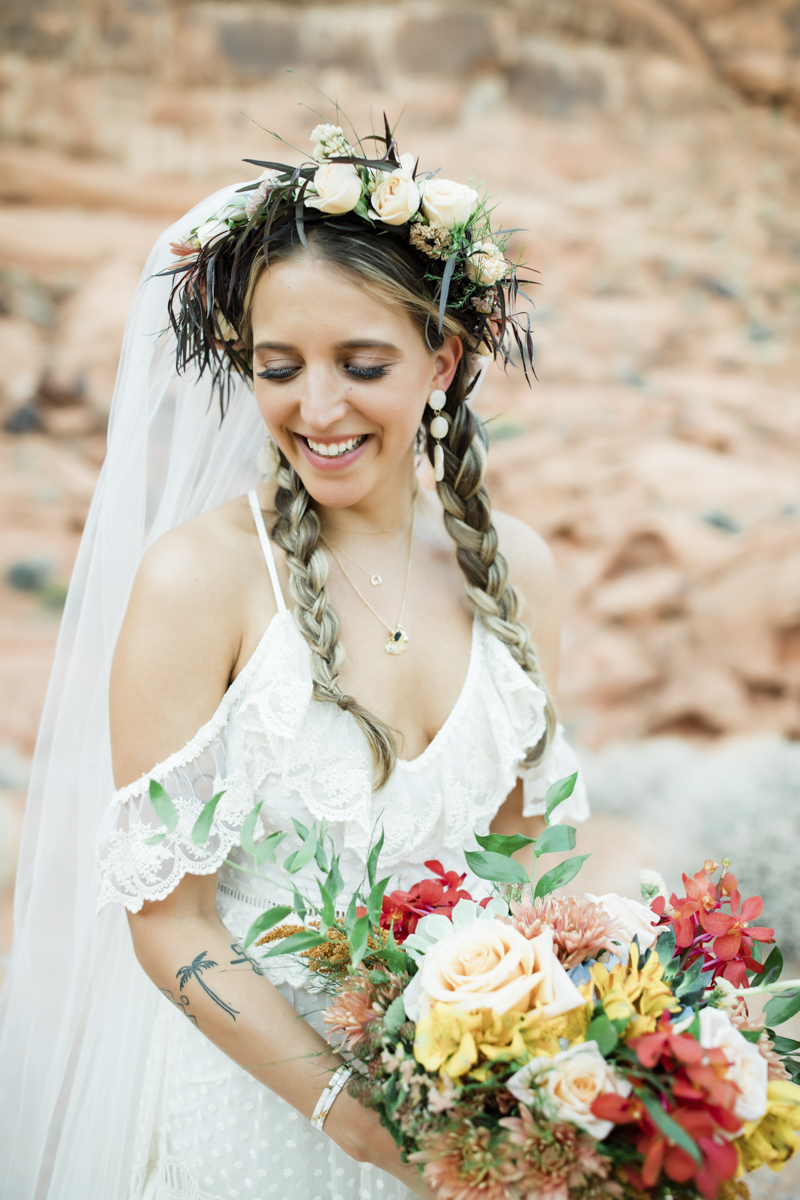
(263, 537)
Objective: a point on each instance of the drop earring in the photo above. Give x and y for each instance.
(267, 459)
(438, 429)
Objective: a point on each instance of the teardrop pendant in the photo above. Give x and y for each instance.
(438, 463)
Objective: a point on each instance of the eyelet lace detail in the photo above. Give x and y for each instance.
(269, 742)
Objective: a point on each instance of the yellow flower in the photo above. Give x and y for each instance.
(772, 1140)
(630, 994)
(444, 1040)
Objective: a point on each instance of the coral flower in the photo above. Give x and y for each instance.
(402, 911)
(580, 928)
(723, 939)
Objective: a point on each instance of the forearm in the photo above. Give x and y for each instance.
(196, 963)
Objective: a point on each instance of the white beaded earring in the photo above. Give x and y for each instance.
(438, 429)
(267, 460)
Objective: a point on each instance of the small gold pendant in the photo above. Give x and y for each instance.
(398, 640)
(375, 580)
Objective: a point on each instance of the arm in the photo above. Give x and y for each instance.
(179, 646)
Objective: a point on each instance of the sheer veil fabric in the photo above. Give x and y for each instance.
(77, 1010)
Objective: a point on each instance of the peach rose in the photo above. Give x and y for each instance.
(338, 188)
(571, 1080)
(489, 964)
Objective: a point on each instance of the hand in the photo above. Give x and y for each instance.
(358, 1131)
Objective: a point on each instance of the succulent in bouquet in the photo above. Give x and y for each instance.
(533, 1046)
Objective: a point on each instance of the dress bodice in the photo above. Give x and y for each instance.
(271, 744)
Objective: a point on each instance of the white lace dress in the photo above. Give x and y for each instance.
(207, 1130)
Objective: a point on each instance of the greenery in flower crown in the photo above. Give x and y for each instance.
(447, 224)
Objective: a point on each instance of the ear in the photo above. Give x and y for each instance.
(445, 362)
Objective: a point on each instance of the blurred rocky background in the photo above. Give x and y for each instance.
(651, 151)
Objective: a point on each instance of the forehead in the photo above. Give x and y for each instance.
(307, 297)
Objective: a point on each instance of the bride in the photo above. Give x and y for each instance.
(336, 308)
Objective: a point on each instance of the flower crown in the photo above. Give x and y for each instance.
(448, 224)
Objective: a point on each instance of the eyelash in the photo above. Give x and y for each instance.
(278, 374)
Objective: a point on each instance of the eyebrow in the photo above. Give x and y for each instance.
(354, 344)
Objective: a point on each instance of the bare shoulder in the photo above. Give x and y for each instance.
(180, 638)
(531, 569)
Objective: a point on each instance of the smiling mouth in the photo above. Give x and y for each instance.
(335, 449)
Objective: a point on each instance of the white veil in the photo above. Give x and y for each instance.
(77, 1010)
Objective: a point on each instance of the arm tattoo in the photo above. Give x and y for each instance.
(235, 962)
(195, 971)
(182, 1003)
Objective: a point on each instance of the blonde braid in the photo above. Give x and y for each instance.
(468, 519)
(297, 530)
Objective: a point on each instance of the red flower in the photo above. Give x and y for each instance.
(402, 910)
(724, 940)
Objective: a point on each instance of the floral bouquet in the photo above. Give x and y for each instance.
(535, 1047)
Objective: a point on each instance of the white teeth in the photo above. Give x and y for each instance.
(335, 449)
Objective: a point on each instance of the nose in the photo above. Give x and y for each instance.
(324, 400)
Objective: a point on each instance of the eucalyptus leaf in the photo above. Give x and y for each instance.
(297, 942)
(555, 839)
(202, 826)
(300, 829)
(558, 876)
(299, 905)
(497, 867)
(501, 843)
(267, 920)
(783, 1045)
(557, 793)
(162, 804)
(602, 1031)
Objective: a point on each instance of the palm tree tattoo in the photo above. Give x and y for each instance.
(194, 971)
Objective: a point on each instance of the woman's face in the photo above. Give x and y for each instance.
(341, 378)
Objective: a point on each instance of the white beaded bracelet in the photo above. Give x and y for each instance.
(335, 1084)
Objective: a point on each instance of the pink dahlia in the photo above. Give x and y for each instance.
(554, 1161)
(351, 1014)
(461, 1164)
(581, 929)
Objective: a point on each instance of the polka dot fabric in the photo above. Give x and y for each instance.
(209, 1131)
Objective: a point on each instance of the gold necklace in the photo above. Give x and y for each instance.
(373, 532)
(398, 638)
(375, 577)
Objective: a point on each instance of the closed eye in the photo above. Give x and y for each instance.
(276, 373)
(367, 372)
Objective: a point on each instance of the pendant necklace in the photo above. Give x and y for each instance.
(375, 577)
(398, 638)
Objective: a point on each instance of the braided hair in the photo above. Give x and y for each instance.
(395, 274)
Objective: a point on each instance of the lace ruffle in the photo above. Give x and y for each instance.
(268, 742)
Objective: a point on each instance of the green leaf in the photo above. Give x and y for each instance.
(559, 875)
(358, 940)
(671, 1129)
(328, 913)
(689, 978)
(395, 1016)
(156, 840)
(202, 826)
(488, 865)
(300, 829)
(297, 942)
(396, 960)
(334, 883)
(266, 921)
(782, 1008)
(350, 915)
(301, 858)
(602, 1031)
(165, 810)
(263, 851)
(372, 860)
(772, 967)
(555, 839)
(783, 1045)
(299, 905)
(319, 853)
(500, 843)
(375, 900)
(557, 793)
(665, 946)
(248, 829)
(750, 1035)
